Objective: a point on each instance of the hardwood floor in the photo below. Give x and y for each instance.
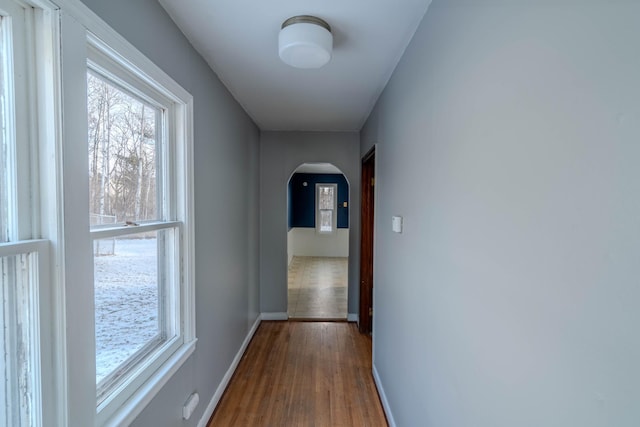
(303, 374)
(317, 288)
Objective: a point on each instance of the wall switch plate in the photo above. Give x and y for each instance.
(396, 224)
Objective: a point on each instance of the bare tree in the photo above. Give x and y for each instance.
(122, 152)
(103, 99)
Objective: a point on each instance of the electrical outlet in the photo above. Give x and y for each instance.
(190, 406)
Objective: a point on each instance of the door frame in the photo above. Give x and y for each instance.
(338, 204)
(367, 204)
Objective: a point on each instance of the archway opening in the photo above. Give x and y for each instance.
(317, 242)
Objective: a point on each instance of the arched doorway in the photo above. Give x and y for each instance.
(317, 242)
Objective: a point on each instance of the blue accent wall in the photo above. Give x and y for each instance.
(302, 203)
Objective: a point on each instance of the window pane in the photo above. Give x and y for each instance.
(123, 155)
(325, 197)
(130, 284)
(5, 139)
(17, 359)
(326, 220)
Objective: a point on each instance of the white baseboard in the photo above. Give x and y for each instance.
(353, 317)
(227, 377)
(383, 398)
(274, 316)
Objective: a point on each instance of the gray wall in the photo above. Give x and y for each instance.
(280, 154)
(226, 208)
(509, 139)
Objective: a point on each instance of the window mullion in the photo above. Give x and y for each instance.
(105, 233)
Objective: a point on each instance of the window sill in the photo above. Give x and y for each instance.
(141, 398)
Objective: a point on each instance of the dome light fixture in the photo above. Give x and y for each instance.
(305, 41)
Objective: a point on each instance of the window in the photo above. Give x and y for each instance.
(326, 203)
(25, 356)
(133, 270)
(139, 214)
(133, 156)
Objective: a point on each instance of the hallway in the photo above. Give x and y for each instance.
(303, 374)
(317, 288)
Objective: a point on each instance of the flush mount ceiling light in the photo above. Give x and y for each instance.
(305, 42)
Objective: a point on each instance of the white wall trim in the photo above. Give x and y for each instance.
(353, 317)
(227, 377)
(274, 316)
(305, 241)
(383, 398)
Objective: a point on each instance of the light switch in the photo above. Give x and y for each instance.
(344, 204)
(396, 224)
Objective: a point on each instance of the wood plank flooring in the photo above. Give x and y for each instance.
(318, 288)
(303, 374)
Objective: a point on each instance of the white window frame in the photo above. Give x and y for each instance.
(334, 216)
(53, 223)
(83, 34)
(147, 376)
(34, 125)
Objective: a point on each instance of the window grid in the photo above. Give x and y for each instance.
(326, 207)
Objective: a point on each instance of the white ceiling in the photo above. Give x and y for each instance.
(239, 40)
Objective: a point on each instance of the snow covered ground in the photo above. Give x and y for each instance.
(126, 298)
